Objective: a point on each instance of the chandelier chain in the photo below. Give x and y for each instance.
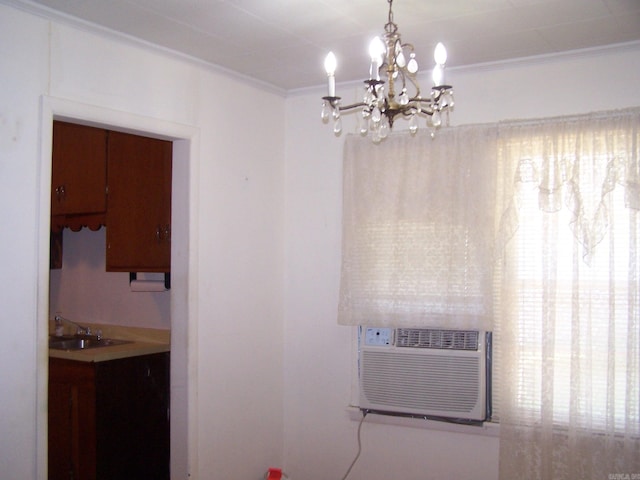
(391, 26)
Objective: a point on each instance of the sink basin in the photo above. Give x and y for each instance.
(82, 342)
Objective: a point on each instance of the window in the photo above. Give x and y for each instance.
(592, 355)
(568, 293)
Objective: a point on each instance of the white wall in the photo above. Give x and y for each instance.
(19, 120)
(234, 249)
(84, 292)
(320, 438)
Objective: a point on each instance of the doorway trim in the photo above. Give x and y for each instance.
(183, 389)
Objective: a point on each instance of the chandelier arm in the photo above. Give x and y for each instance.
(417, 111)
(334, 102)
(415, 85)
(427, 112)
(353, 105)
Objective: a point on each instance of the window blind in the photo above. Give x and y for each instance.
(418, 230)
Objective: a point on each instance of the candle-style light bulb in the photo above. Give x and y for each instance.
(330, 64)
(376, 51)
(440, 54)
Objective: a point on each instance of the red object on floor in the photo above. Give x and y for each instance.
(274, 474)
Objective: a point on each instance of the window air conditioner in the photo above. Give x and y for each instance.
(426, 372)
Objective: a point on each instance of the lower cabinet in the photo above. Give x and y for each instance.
(109, 420)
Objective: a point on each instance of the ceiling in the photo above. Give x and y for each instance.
(282, 43)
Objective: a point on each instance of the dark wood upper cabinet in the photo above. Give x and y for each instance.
(78, 181)
(139, 204)
(101, 177)
(79, 169)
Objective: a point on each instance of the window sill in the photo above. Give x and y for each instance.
(489, 429)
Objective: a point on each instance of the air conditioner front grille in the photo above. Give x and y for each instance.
(421, 383)
(438, 339)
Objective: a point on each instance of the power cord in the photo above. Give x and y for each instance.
(364, 414)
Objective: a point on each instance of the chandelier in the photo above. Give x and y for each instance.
(392, 89)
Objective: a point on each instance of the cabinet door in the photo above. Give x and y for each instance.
(72, 424)
(152, 421)
(79, 169)
(139, 204)
(132, 424)
(61, 464)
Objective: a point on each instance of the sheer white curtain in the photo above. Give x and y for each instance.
(418, 229)
(567, 299)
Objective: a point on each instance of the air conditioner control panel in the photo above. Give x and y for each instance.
(378, 337)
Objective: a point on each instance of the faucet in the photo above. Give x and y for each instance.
(80, 329)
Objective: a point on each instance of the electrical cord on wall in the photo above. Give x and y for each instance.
(364, 414)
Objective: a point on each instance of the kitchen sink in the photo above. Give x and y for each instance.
(82, 342)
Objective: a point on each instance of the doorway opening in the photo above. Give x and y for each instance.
(182, 444)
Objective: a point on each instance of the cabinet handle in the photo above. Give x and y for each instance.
(163, 233)
(61, 193)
